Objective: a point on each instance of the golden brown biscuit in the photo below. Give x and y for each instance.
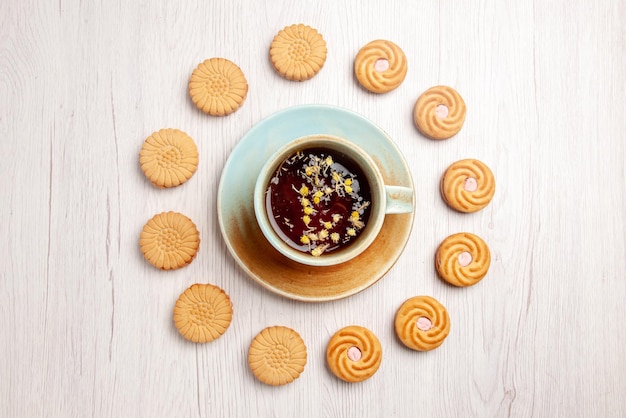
(422, 323)
(168, 158)
(169, 240)
(439, 112)
(467, 185)
(203, 313)
(462, 259)
(218, 87)
(277, 355)
(380, 66)
(298, 52)
(354, 353)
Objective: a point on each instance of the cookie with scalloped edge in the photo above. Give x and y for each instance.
(169, 240)
(218, 87)
(203, 313)
(168, 158)
(298, 52)
(277, 355)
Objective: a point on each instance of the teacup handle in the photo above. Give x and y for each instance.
(399, 199)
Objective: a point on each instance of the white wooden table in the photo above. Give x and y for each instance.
(86, 321)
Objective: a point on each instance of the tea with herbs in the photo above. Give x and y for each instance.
(318, 201)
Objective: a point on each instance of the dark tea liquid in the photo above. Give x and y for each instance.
(318, 201)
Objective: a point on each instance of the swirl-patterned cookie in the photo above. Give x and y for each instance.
(468, 185)
(462, 259)
(203, 313)
(422, 323)
(298, 52)
(169, 240)
(354, 353)
(168, 158)
(218, 87)
(277, 355)
(380, 66)
(439, 112)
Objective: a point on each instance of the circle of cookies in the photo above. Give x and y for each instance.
(218, 87)
(422, 323)
(462, 259)
(168, 158)
(439, 112)
(468, 185)
(380, 66)
(277, 355)
(169, 240)
(203, 313)
(354, 354)
(298, 52)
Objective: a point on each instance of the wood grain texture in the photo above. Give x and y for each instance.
(87, 324)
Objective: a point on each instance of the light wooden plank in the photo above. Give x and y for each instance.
(87, 323)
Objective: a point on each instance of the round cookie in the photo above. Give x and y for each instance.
(298, 52)
(354, 354)
(467, 185)
(218, 87)
(168, 158)
(169, 240)
(203, 313)
(422, 323)
(462, 259)
(380, 66)
(277, 355)
(439, 112)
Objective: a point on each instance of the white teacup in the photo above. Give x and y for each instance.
(384, 200)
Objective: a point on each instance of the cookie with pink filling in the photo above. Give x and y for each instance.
(462, 259)
(354, 354)
(380, 66)
(467, 185)
(439, 112)
(422, 323)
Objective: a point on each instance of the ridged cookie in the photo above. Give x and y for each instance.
(277, 355)
(298, 52)
(439, 112)
(422, 323)
(168, 158)
(380, 66)
(218, 87)
(468, 185)
(462, 259)
(354, 353)
(203, 313)
(169, 240)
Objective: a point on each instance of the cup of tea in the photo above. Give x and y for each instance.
(321, 200)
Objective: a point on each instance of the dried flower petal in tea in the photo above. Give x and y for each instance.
(318, 200)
